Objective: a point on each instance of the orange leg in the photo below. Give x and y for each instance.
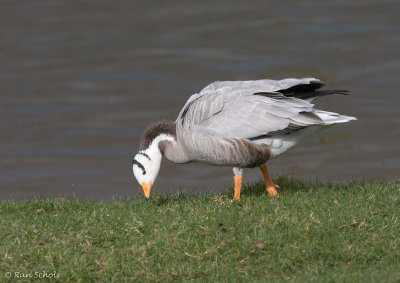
(238, 186)
(268, 182)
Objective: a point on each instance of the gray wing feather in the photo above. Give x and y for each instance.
(230, 109)
(258, 85)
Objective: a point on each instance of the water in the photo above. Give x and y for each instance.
(80, 81)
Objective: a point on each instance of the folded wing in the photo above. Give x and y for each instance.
(248, 109)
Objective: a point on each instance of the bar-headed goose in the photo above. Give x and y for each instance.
(241, 124)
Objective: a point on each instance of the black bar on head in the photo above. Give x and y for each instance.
(139, 165)
(144, 154)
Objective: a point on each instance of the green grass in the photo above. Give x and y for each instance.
(321, 232)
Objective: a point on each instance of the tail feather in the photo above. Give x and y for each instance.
(329, 118)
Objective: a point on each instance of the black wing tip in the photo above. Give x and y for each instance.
(318, 83)
(333, 91)
(343, 91)
(312, 85)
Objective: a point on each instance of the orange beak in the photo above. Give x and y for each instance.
(146, 189)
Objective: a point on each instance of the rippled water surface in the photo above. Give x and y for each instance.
(80, 81)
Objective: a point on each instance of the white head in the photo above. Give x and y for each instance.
(145, 166)
(146, 163)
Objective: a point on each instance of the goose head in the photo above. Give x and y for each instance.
(146, 163)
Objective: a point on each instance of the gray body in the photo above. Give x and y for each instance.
(244, 123)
